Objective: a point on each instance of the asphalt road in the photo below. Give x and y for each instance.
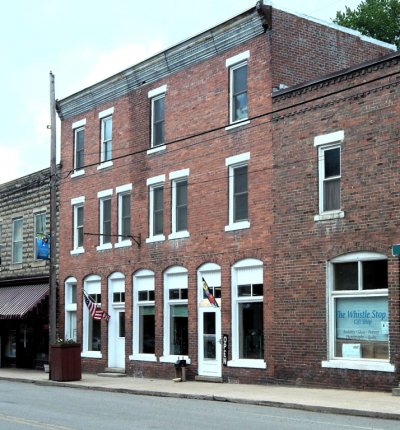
(25, 406)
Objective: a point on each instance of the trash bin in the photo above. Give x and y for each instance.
(180, 370)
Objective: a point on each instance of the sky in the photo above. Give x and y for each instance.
(85, 41)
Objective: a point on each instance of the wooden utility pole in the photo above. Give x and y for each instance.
(53, 219)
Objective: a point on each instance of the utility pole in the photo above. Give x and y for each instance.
(53, 220)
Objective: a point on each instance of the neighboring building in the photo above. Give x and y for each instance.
(24, 279)
(168, 178)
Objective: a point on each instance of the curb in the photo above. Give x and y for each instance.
(269, 403)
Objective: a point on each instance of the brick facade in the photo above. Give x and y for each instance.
(196, 117)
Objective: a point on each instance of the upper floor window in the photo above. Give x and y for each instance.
(157, 115)
(105, 219)
(70, 309)
(79, 147)
(238, 86)
(106, 138)
(179, 204)
(124, 215)
(77, 208)
(17, 240)
(156, 218)
(329, 167)
(1, 239)
(40, 228)
(238, 192)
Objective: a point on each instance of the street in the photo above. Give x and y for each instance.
(25, 406)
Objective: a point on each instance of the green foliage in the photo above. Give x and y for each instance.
(64, 341)
(379, 19)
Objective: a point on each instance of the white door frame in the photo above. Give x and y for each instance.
(116, 344)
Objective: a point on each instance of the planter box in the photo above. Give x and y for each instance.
(65, 364)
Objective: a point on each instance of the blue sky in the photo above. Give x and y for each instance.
(83, 42)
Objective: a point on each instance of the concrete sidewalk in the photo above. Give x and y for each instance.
(358, 403)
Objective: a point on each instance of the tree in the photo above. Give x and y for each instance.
(379, 19)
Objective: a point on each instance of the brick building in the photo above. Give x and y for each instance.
(24, 279)
(168, 178)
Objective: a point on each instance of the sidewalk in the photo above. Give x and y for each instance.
(359, 403)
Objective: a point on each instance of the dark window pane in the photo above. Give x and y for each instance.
(375, 274)
(184, 293)
(151, 295)
(158, 130)
(257, 289)
(240, 180)
(174, 294)
(332, 195)
(240, 79)
(345, 276)
(240, 107)
(244, 290)
(181, 219)
(179, 335)
(181, 193)
(240, 208)
(251, 330)
(121, 324)
(142, 296)
(159, 109)
(332, 162)
(146, 330)
(107, 129)
(116, 297)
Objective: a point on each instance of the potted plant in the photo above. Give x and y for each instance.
(65, 360)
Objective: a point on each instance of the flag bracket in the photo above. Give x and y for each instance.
(137, 239)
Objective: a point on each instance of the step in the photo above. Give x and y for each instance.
(114, 369)
(112, 374)
(208, 379)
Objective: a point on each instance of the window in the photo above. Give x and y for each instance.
(40, 228)
(1, 240)
(358, 301)
(238, 87)
(79, 148)
(91, 327)
(247, 314)
(179, 204)
(176, 329)
(329, 166)
(124, 215)
(144, 316)
(77, 207)
(70, 309)
(105, 219)
(238, 192)
(17, 241)
(156, 218)
(157, 115)
(106, 138)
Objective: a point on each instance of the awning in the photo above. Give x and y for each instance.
(16, 302)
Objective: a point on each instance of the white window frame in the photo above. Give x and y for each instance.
(154, 95)
(122, 191)
(104, 196)
(232, 163)
(325, 142)
(14, 241)
(70, 308)
(174, 277)
(254, 278)
(77, 127)
(380, 365)
(153, 183)
(35, 232)
(234, 63)
(143, 280)
(92, 285)
(77, 203)
(105, 116)
(176, 177)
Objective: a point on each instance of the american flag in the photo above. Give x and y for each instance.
(96, 312)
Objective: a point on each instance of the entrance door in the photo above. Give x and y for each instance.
(116, 356)
(209, 341)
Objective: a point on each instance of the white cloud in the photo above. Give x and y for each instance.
(12, 163)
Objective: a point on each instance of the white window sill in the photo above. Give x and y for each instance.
(249, 363)
(104, 247)
(143, 357)
(159, 238)
(179, 235)
(123, 244)
(238, 226)
(16, 266)
(104, 165)
(237, 124)
(77, 173)
(91, 354)
(174, 358)
(77, 251)
(329, 215)
(359, 365)
(39, 263)
(156, 149)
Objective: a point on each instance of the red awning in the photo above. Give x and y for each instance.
(16, 302)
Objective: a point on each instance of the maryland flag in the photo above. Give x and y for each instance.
(210, 297)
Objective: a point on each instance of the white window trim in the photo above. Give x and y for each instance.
(237, 58)
(236, 361)
(232, 163)
(69, 307)
(324, 142)
(85, 352)
(379, 365)
(103, 196)
(155, 98)
(106, 113)
(75, 202)
(79, 124)
(153, 183)
(105, 164)
(175, 177)
(14, 241)
(35, 214)
(157, 91)
(122, 191)
(156, 149)
(81, 170)
(78, 173)
(170, 358)
(238, 124)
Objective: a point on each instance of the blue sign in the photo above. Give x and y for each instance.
(43, 246)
